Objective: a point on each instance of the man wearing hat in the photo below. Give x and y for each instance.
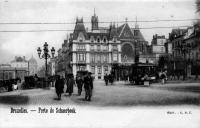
(70, 84)
(88, 85)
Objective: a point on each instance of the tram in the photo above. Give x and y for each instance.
(141, 72)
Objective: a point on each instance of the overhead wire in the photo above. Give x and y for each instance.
(62, 30)
(56, 30)
(162, 20)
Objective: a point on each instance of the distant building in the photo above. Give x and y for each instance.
(19, 62)
(158, 46)
(21, 67)
(32, 63)
(192, 52)
(62, 61)
(176, 37)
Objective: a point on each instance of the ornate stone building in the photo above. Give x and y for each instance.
(103, 48)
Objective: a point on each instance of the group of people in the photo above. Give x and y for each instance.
(108, 78)
(80, 81)
(11, 84)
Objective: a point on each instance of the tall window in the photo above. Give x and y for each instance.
(104, 58)
(92, 39)
(92, 47)
(81, 47)
(81, 57)
(93, 69)
(115, 57)
(115, 47)
(99, 70)
(115, 39)
(98, 47)
(92, 58)
(105, 47)
(105, 69)
(98, 58)
(162, 49)
(81, 68)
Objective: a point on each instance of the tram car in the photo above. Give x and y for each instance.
(142, 72)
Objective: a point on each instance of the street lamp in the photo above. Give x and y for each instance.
(46, 56)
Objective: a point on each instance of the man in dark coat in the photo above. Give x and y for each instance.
(79, 83)
(106, 79)
(70, 84)
(59, 85)
(88, 85)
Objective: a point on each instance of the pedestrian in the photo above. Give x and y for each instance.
(106, 79)
(163, 78)
(59, 86)
(79, 83)
(88, 85)
(111, 79)
(9, 84)
(70, 84)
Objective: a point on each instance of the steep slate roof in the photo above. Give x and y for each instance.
(121, 32)
(79, 27)
(126, 32)
(140, 37)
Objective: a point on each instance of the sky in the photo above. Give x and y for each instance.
(30, 11)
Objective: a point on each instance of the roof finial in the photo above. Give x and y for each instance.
(94, 12)
(126, 19)
(136, 25)
(136, 19)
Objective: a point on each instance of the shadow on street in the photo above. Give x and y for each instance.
(14, 99)
(194, 89)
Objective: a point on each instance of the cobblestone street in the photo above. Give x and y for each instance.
(118, 94)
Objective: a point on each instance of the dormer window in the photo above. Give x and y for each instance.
(115, 39)
(98, 39)
(92, 39)
(81, 37)
(104, 39)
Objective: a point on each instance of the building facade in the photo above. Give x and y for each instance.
(192, 52)
(158, 46)
(103, 48)
(20, 66)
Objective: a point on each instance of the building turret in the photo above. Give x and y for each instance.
(94, 22)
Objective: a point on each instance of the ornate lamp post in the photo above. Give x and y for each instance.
(46, 56)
